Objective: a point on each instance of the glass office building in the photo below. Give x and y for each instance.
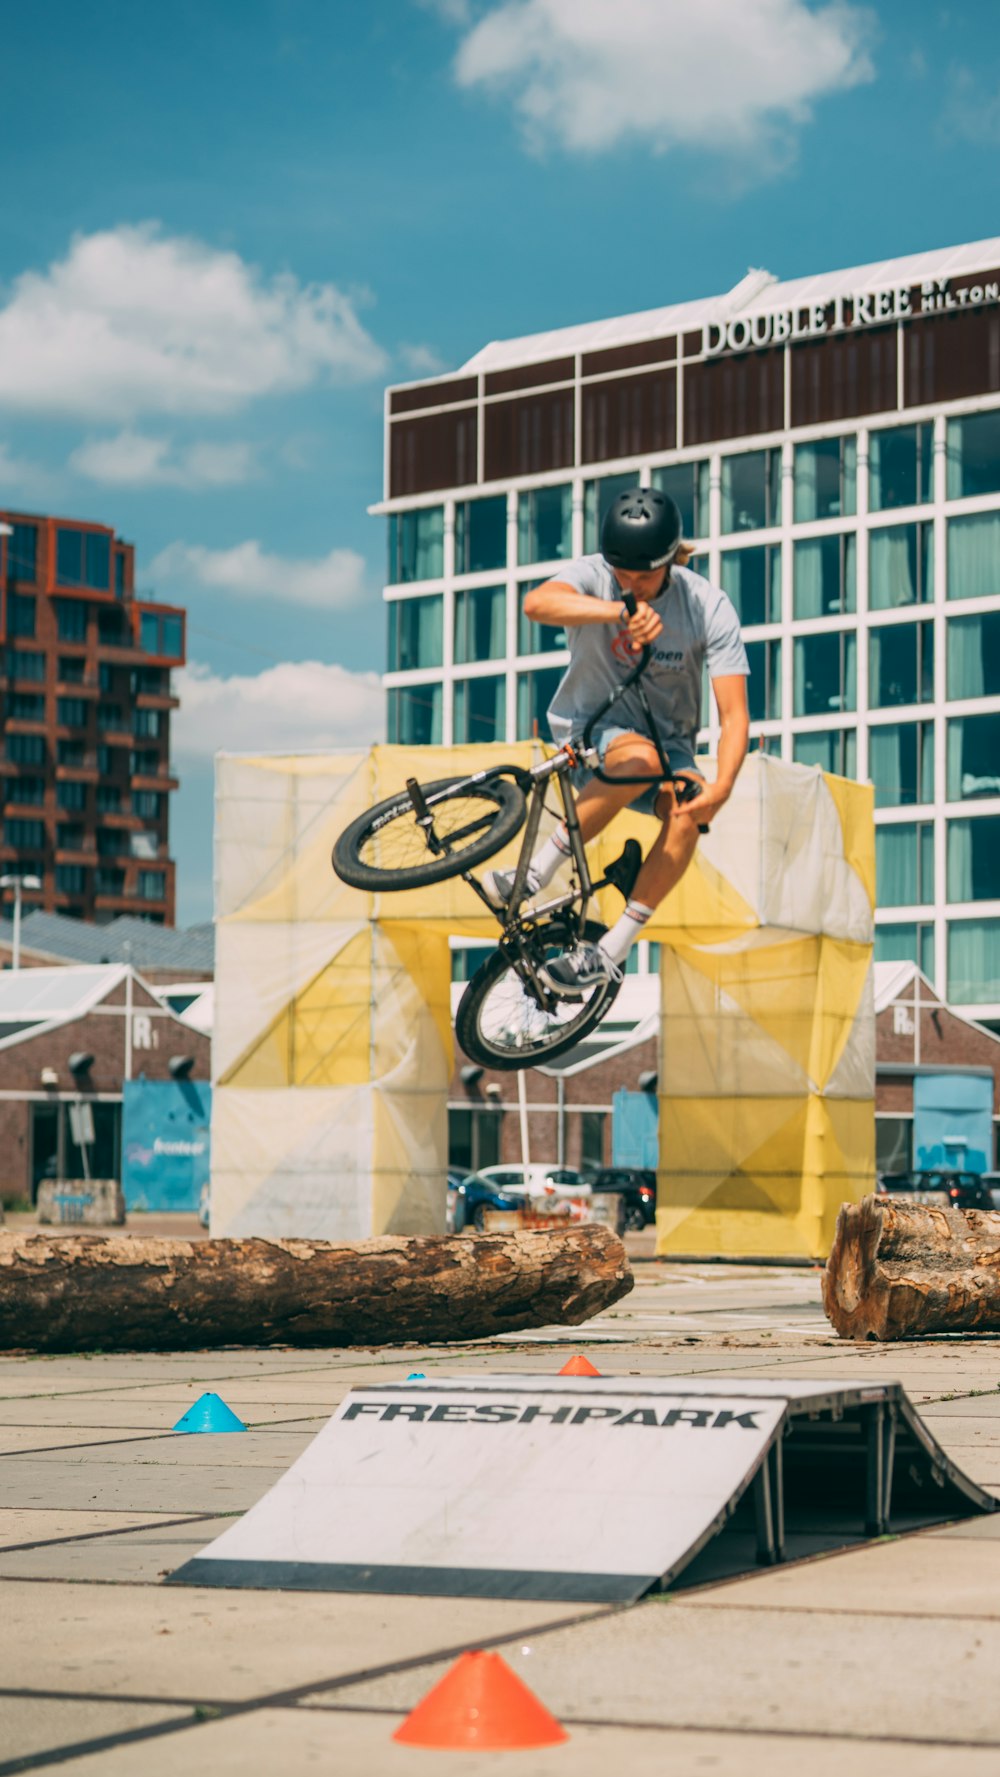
(833, 444)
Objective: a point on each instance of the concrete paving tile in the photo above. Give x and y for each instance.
(807, 1671)
(16, 1439)
(916, 1576)
(971, 1529)
(142, 1485)
(143, 1556)
(170, 1449)
(131, 1413)
(307, 1740)
(30, 1728)
(187, 1644)
(969, 1406)
(17, 1526)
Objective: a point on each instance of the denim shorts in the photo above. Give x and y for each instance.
(677, 753)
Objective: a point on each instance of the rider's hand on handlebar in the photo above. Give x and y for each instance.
(645, 626)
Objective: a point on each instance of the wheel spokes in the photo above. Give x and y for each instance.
(402, 845)
(512, 1021)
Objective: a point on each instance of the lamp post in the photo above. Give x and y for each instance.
(17, 883)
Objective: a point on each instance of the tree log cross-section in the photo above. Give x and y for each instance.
(94, 1292)
(900, 1270)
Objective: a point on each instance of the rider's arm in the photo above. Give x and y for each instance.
(734, 718)
(560, 604)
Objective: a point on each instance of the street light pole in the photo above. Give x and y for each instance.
(17, 883)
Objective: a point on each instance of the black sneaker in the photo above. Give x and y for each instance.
(575, 970)
(499, 886)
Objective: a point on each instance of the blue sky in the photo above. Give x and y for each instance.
(227, 227)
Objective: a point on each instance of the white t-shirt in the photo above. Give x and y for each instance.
(700, 627)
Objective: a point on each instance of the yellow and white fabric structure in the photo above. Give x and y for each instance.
(767, 1055)
(332, 1048)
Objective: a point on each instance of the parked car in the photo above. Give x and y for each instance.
(636, 1185)
(454, 1202)
(506, 1187)
(959, 1190)
(992, 1182)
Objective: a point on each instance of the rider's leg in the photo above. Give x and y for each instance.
(664, 865)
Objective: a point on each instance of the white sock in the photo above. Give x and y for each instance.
(618, 942)
(551, 855)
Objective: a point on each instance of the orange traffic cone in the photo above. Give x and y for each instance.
(578, 1366)
(481, 1703)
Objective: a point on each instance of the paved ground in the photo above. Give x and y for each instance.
(881, 1660)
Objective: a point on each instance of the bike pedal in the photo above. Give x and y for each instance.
(623, 872)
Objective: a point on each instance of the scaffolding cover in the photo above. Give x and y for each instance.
(332, 1049)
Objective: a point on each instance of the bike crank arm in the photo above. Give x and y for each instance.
(424, 817)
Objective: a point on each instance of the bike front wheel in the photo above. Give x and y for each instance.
(387, 848)
(506, 1020)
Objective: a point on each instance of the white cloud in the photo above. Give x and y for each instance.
(329, 582)
(298, 706)
(132, 322)
(22, 478)
(971, 110)
(727, 76)
(132, 459)
(422, 360)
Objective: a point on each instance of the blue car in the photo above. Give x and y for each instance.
(505, 1187)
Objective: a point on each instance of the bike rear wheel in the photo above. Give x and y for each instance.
(504, 1021)
(386, 848)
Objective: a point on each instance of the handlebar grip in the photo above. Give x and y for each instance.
(628, 600)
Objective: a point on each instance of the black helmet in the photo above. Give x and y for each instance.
(641, 530)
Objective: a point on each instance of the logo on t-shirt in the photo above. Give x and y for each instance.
(624, 649)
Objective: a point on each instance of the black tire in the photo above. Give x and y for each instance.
(363, 855)
(496, 993)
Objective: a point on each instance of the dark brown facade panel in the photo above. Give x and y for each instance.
(644, 351)
(950, 357)
(463, 388)
(438, 451)
(530, 376)
(693, 344)
(529, 436)
(734, 397)
(843, 376)
(629, 416)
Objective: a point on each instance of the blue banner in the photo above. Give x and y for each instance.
(165, 1143)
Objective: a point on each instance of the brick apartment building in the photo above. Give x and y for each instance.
(85, 724)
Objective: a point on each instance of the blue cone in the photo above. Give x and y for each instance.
(416, 1376)
(209, 1413)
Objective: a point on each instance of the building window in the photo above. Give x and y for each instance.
(111, 843)
(146, 803)
(473, 1137)
(907, 942)
(536, 638)
(69, 879)
(974, 859)
(416, 545)
(69, 835)
(901, 763)
(545, 524)
(26, 749)
(144, 845)
(71, 620)
(24, 665)
(26, 706)
(24, 835)
(832, 749)
(20, 614)
(751, 490)
(752, 578)
(119, 573)
(826, 575)
(592, 1138)
(145, 723)
(974, 961)
(535, 692)
(69, 752)
(826, 479)
(416, 633)
(159, 633)
(900, 566)
(414, 716)
(109, 799)
(28, 791)
(481, 535)
(973, 757)
(974, 655)
(71, 669)
(974, 455)
(480, 709)
(764, 683)
(109, 881)
(900, 664)
(83, 558)
(893, 1144)
(109, 715)
(22, 553)
(825, 672)
(899, 467)
(904, 859)
(152, 885)
(687, 485)
(597, 497)
(480, 624)
(71, 795)
(974, 556)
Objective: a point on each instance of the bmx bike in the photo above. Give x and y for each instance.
(507, 1017)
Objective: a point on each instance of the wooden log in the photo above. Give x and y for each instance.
(97, 1292)
(899, 1270)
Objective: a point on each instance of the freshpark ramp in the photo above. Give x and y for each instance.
(586, 1489)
